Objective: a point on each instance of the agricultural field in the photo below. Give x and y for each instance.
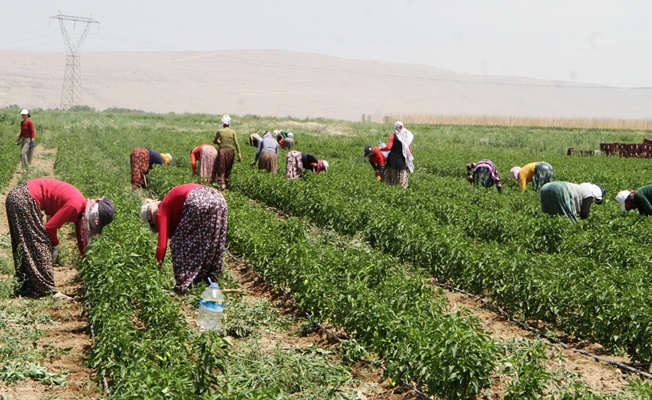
(337, 281)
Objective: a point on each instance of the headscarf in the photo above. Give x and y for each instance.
(321, 166)
(167, 158)
(148, 213)
(91, 214)
(267, 134)
(621, 197)
(406, 138)
(514, 172)
(597, 191)
(226, 120)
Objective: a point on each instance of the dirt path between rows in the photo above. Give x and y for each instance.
(70, 331)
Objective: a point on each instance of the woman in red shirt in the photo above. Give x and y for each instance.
(194, 217)
(26, 139)
(35, 245)
(206, 155)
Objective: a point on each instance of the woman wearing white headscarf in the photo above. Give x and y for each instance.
(399, 160)
(539, 173)
(267, 154)
(570, 199)
(194, 219)
(227, 142)
(640, 200)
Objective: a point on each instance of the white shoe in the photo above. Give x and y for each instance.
(60, 296)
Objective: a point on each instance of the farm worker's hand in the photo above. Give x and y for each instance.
(55, 254)
(239, 157)
(160, 264)
(252, 163)
(469, 178)
(32, 144)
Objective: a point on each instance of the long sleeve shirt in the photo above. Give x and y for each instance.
(390, 144)
(309, 161)
(377, 157)
(27, 129)
(525, 174)
(194, 157)
(643, 200)
(488, 164)
(154, 158)
(226, 137)
(267, 144)
(169, 215)
(62, 203)
(582, 198)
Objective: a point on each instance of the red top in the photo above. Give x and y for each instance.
(194, 157)
(27, 129)
(378, 157)
(169, 215)
(61, 202)
(391, 143)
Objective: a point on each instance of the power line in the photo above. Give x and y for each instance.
(71, 92)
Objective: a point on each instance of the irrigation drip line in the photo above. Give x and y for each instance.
(320, 326)
(544, 335)
(105, 383)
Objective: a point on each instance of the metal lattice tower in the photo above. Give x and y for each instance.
(71, 92)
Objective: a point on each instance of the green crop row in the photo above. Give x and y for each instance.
(532, 272)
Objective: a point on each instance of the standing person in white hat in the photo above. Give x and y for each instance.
(26, 139)
(227, 142)
(640, 200)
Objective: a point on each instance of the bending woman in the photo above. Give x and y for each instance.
(194, 217)
(35, 245)
(142, 160)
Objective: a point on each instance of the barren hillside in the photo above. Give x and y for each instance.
(300, 85)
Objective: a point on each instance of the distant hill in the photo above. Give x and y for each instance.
(300, 85)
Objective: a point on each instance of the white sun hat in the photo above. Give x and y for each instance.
(621, 197)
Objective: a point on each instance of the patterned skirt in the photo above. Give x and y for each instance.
(222, 174)
(542, 175)
(293, 165)
(268, 161)
(396, 177)
(556, 200)
(198, 244)
(139, 159)
(207, 157)
(30, 243)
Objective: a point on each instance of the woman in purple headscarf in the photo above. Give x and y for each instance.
(400, 159)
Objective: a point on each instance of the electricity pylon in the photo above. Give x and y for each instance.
(71, 92)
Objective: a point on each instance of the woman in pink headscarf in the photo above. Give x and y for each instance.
(399, 160)
(297, 162)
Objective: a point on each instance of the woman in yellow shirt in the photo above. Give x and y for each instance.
(539, 173)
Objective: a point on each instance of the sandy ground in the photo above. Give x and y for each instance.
(299, 85)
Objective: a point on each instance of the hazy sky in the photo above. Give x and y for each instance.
(581, 41)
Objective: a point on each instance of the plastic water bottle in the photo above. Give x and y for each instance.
(211, 307)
